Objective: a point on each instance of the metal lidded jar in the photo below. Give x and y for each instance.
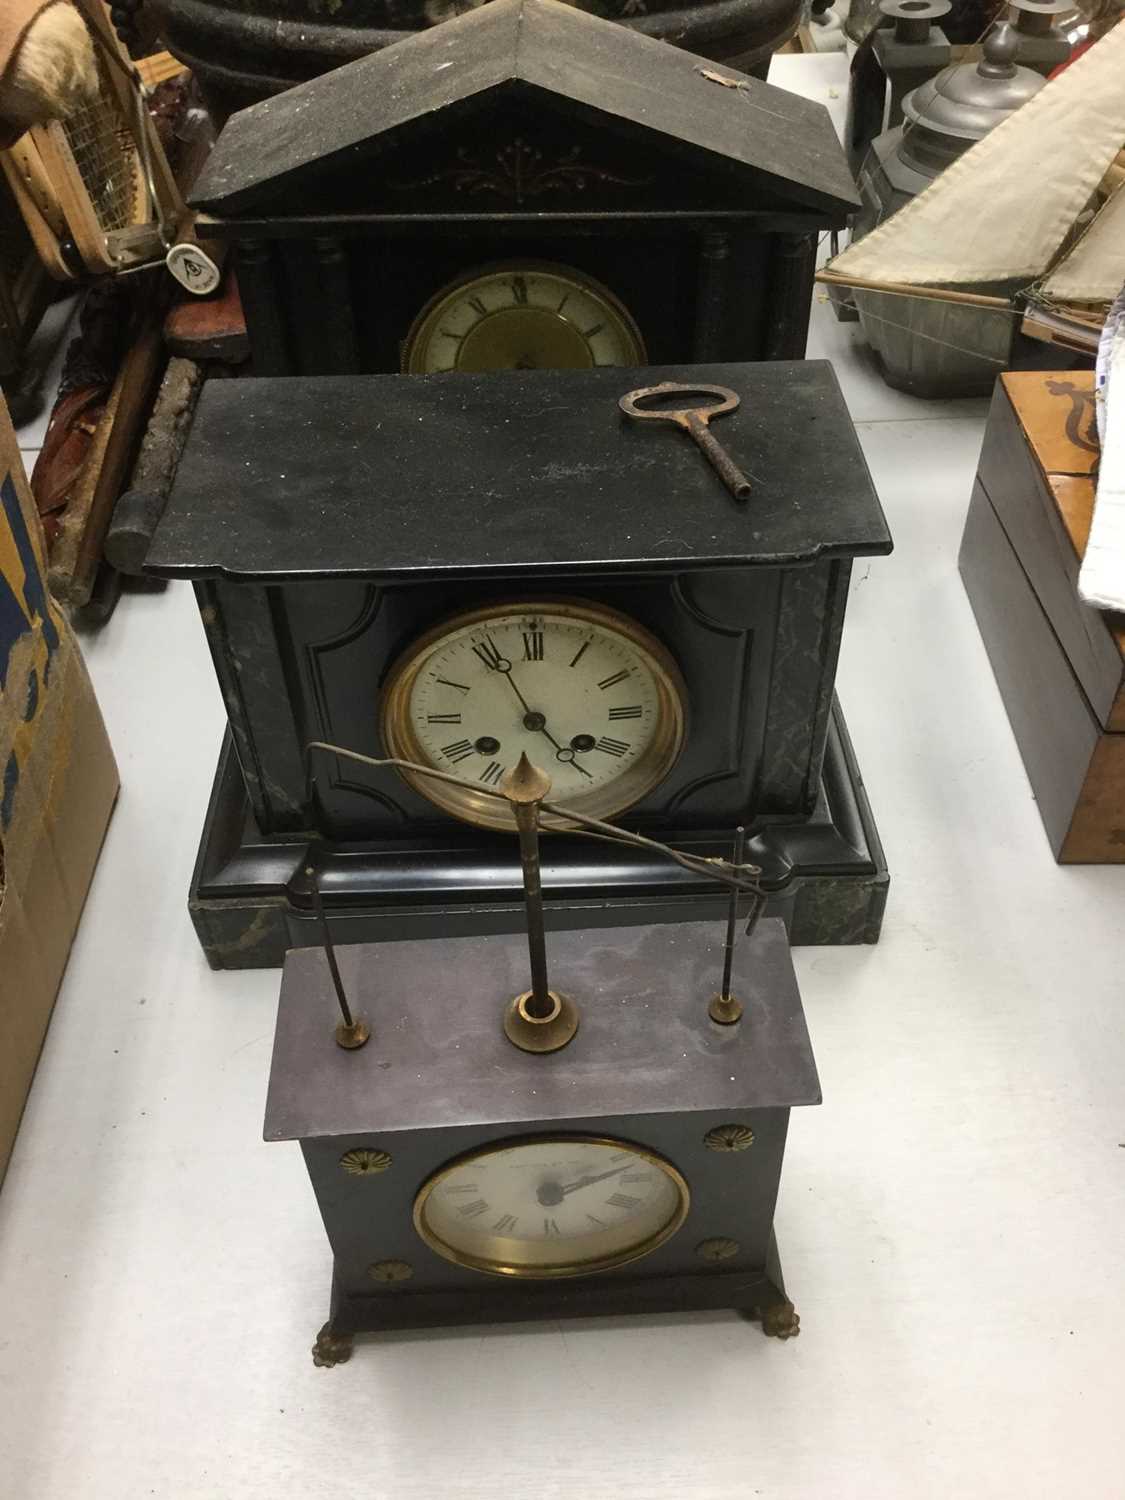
(927, 347)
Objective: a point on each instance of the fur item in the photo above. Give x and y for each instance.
(52, 72)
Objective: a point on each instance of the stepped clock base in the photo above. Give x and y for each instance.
(250, 901)
(759, 1295)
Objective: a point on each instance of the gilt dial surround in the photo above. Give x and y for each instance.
(555, 1206)
(523, 315)
(584, 691)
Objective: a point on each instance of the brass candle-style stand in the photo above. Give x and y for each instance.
(726, 1008)
(352, 1032)
(539, 1020)
(542, 1019)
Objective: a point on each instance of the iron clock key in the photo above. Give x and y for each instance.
(695, 421)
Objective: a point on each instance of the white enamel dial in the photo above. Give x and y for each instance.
(523, 316)
(585, 692)
(562, 1207)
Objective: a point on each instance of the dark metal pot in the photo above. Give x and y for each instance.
(930, 348)
(245, 50)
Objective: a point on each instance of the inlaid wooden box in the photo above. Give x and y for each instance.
(1059, 663)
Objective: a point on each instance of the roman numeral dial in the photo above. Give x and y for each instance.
(587, 693)
(551, 1206)
(523, 316)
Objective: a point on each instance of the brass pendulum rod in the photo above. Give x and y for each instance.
(724, 1008)
(526, 814)
(350, 1033)
(540, 1020)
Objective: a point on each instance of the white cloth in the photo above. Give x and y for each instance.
(1094, 270)
(1101, 580)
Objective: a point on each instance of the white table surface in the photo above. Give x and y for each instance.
(951, 1220)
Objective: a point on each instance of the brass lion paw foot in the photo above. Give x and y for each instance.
(780, 1321)
(332, 1348)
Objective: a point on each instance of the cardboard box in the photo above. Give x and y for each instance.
(58, 783)
(1059, 663)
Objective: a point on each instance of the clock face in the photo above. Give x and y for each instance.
(523, 316)
(587, 693)
(568, 1206)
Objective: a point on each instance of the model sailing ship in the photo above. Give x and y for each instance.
(1027, 228)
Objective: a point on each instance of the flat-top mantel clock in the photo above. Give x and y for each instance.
(464, 568)
(525, 187)
(462, 1180)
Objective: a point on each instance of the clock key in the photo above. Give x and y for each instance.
(695, 421)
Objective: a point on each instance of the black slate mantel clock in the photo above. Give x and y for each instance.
(526, 186)
(458, 568)
(461, 1180)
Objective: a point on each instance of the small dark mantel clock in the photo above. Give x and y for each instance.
(455, 569)
(608, 1140)
(526, 186)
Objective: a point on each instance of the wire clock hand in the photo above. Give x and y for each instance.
(572, 1187)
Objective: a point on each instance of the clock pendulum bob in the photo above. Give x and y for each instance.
(634, 1169)
(577, 586)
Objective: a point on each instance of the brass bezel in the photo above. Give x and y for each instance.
(573, 1268)
(434, 309)
(396, 725)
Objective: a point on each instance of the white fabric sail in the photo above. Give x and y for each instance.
(1000, 212)
(1094, 269)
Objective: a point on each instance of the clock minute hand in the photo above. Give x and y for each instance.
(539, 720)
(504, 667)
(572, 1187)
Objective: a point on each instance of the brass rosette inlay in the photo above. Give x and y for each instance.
(729, 1138)
(390, 1271)
(365, 1161)
(719, 1248)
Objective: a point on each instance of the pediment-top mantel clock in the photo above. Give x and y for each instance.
(464, 568)
(525, 187)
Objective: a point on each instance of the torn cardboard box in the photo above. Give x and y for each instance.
(58, 782)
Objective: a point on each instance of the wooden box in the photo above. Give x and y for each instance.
(1059, 663)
